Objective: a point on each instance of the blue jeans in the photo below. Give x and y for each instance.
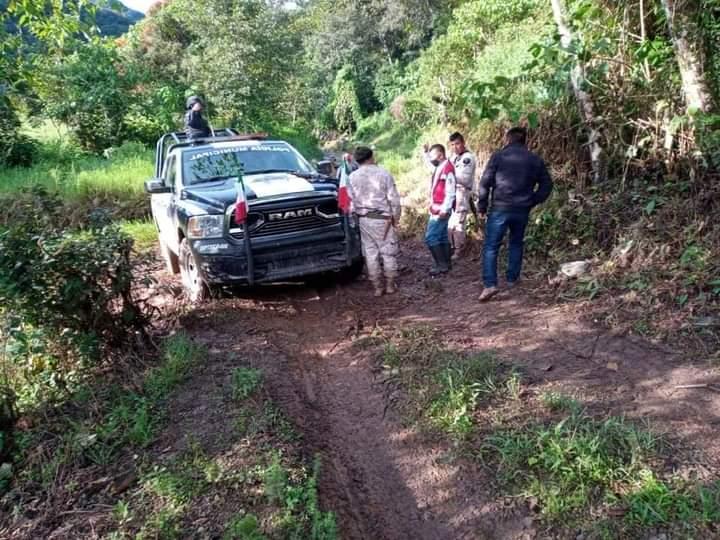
(437, 232)
(498, 223)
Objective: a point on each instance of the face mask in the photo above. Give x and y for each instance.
(435, 162)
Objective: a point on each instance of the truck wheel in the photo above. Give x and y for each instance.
(195, 287)
(172, 263)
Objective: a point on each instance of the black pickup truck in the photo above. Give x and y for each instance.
(293, 226)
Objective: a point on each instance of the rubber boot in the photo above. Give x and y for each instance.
(435, 269)
(447, 256)
(441, 253)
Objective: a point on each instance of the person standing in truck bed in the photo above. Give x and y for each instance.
(376, 202)
(196, 127)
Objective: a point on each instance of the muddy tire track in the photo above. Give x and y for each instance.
(383, 480)
(340, 411)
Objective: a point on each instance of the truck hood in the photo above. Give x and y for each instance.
(221, 194)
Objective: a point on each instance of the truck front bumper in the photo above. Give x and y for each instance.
(225, 263)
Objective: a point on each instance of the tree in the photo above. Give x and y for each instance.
(90, 92)
(582, 95)
(345, 104)
(682, 20)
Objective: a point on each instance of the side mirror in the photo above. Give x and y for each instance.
(157, 185)
(325, 167)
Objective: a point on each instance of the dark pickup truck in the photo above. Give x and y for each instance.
(293, 226)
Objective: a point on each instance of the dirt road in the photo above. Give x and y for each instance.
(387, 480)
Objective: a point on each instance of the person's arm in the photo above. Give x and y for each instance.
(425, 155)
(447, 204)
(487, 183)
(393, 199)
(544, 183)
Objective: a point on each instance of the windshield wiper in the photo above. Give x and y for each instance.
(269, 171)
(214, 178)
(296, 172)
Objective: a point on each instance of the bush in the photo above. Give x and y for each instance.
(66, 295)
(90, 92)
(16, 149)
(76, 281)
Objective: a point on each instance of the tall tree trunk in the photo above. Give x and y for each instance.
(687, 39)
(583, 97)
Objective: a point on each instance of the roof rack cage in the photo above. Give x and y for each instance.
(180, 137)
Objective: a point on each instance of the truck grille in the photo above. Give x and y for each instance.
(287, 220)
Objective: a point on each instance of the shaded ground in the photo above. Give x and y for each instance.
(324, 395)
(387, 480)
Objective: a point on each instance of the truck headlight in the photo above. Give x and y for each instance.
(210, 226)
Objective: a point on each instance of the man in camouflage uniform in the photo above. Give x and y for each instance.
(376, 202)
(465, 163)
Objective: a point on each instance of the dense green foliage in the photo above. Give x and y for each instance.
(66, 297)
(326, 65)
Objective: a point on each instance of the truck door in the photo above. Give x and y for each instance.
(163, 205)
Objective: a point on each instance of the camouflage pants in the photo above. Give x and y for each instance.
(457, 227)
(458, 221)
(376, 248)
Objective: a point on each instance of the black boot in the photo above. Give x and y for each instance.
(441, 254)
(448, 251)
(435, 269)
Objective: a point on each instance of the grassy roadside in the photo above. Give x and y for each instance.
(257, 487)
(100, 420)
(99, 465)
(599, 474)
(83, 181)
(86, 182)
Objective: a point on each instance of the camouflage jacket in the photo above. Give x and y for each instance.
(372, 190)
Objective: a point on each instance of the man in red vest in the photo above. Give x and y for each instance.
(442, 201)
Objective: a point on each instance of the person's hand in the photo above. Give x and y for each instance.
(482, 215)
(443, 215)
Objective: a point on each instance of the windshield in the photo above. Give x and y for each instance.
(207, 164)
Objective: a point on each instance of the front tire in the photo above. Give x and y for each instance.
(195, 287)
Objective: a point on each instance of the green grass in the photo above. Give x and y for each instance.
(143, 232)
(243, 528)
(75, 175)
(572, 463)
(461, 384)
(245, 381)
(654, 502)
(300, 515)
(557, 402)
(300, 137)
(133, 418)
(179, 355)
(118, 419)
(444, 388)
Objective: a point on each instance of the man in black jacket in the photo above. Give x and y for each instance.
(514, 181)
(196, 126)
